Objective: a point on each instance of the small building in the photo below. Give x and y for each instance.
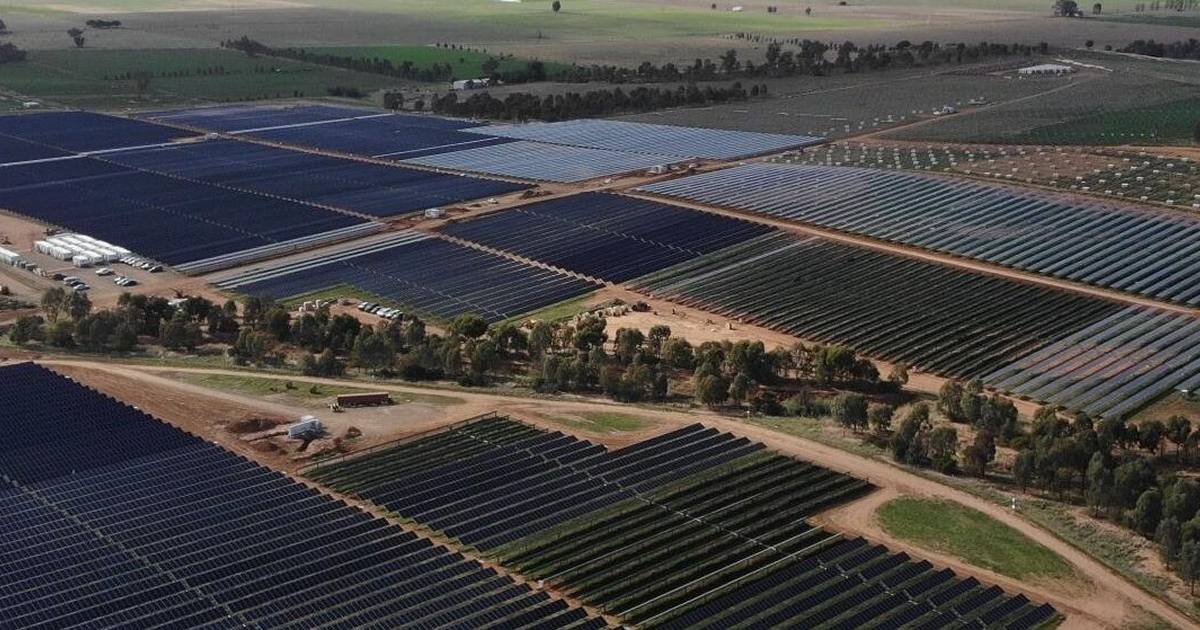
(470, 84)
(309, 427)
(435, 213)
(1045, 69)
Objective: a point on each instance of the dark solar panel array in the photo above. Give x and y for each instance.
(392, 137)
(357, 186)
(17, 150)
(607, 236)
(169, 219)
(959, 322)
(430, 276)
(114, 519)
(234, 118)
(495, 481)
(85, 131)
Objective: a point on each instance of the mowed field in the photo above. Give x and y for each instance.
(584, 31)
(101, 78)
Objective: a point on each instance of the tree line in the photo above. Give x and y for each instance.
(1129, 474)
(527, 106)
(1181, 49)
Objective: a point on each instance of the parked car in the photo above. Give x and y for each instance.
(104, 271)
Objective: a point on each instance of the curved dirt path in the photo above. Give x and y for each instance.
(1106, 599)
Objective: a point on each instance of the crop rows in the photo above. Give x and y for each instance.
(1152, 253)
(940, 319)
(731, 548)
(494, 481)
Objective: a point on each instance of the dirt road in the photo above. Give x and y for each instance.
(1102, 598)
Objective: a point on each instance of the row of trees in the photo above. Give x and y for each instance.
(1181, 49)
(527, 106)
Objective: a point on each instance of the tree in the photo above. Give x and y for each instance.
(1178, 430)
(252, 346)
(373, 351)
(1189, 563)
(1181, 500)
(906, 444)
(53, 303)
(469, 325)
(979, 453)
(541, 339)
(1099, 479)
(899, 374)
(659, 334)
(712, 390)
(678, 353)
(950, 400)
(729, 61)
(27, 328)
(629, 343)
(485, 355)
(1024, 468)
(1097, 8)
(1169, 536)
(943, 449)
(879, 416)
(556, 6)
(850, 410)
(1151, 434)
(180, 333)
(1148, 512)
(1066, 8)
(76, 34)
(1089, 44)
(739, 389)
(78, 305)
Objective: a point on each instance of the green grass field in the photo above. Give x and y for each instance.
(626, 19)
(1166, 123)
(96, 78)
(972, 536)
(602, 422)
(467, 64)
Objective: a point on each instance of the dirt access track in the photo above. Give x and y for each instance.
(1100, 598)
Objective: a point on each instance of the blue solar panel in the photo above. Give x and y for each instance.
(235, 118)
(607, 236)
(86, 131)
(17, 150)
(169, 219)
(358, 186)
(392, 137)
(428, 275)
(114, 519)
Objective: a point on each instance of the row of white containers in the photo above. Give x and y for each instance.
(9, 257)
(80, 249)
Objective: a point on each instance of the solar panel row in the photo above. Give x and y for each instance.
(170, 531)
(1153, 253)
(166, 218)
(959, 323)
(493, 482)
(606, 236)
(85, 131)
(242, 118)
(363, 187)
(430, 276)
(1113, 367)
(538, 161)
(663, 140)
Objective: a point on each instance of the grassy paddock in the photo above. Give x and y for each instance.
(558, 312)
(602, 422)
(93, 78)
(979, 539)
